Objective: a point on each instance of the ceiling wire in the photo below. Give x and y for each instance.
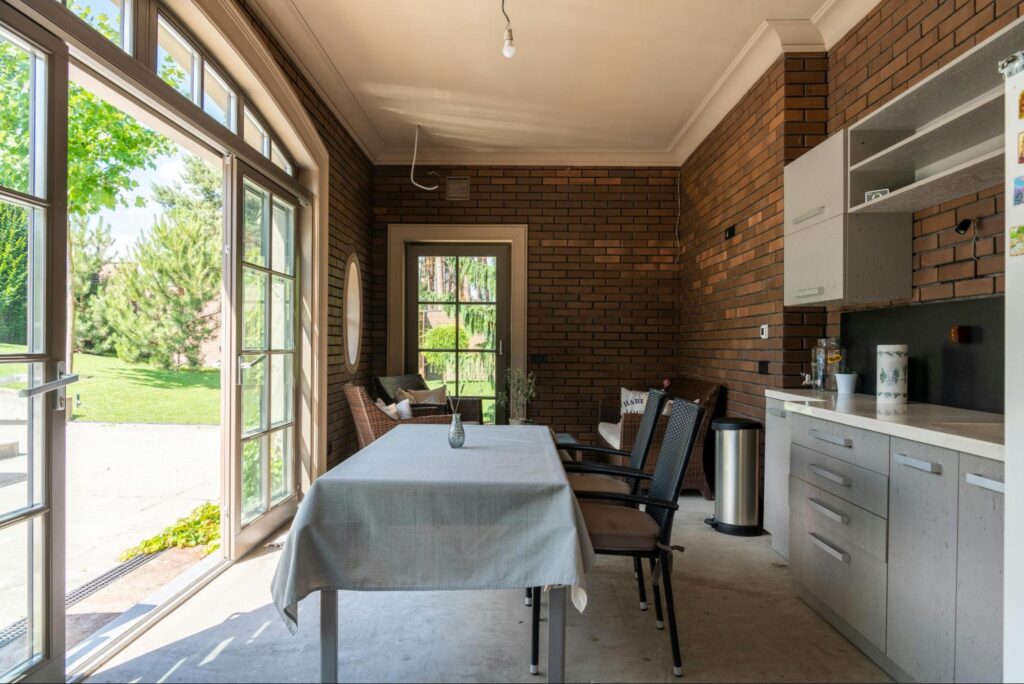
(412, 169)
(508, 22)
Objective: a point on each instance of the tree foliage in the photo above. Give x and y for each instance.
(13, 274)
(91, 251)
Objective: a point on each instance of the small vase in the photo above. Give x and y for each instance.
(456, 433)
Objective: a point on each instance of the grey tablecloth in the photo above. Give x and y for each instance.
(410, 513)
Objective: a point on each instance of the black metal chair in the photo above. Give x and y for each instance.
(618, 527)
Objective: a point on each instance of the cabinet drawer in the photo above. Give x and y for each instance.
(851, 483)
(841, 575)
(860, 447)
(839, 519)
(815, 185)
(814, 267)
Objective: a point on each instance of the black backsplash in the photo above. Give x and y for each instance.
(966, 376)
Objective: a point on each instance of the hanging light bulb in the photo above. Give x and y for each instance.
(509, 49)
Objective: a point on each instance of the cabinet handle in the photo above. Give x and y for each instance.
(918, 464)
(809, 292)
(829, 513)
(985, 483)
(830, 476)
(831, 439)
(809, 214)
(778, 413)
(828, 548)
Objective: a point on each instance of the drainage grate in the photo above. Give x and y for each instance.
(17, 630)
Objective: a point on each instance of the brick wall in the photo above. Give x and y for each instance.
(899, 43)
(602, 282)
(349, 219)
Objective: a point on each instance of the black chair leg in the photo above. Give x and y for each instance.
(666, 573)
(528, 601)
(535, 631)
(638, 568)
(659, 621)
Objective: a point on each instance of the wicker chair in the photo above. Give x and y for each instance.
(699, 391)
(372, 423)
(387, 387)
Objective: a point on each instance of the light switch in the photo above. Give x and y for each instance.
(764, 331)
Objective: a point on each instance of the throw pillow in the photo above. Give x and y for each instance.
(632, 401)
(404, 409)
(434, 396)
(391, 411)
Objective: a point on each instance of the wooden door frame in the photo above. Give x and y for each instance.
(401, 234)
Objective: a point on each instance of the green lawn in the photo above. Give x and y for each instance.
(112, 391)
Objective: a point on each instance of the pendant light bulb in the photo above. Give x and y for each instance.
(509, 50)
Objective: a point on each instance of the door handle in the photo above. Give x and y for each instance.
(246, 365)
(828, 548)
(501, 348)
(831, 439)
(841, 480)
(985, 483)
(918, 464)
(809, 214)
(58, 385)
(810, 292)
(828, 512)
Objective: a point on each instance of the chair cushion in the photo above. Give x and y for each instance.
(611, 433)
(430, 396)
(619, 528)
(592, 482)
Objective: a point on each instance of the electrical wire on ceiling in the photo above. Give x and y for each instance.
(412, 169)
(508, 48)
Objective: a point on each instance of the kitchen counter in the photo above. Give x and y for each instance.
(972, 432)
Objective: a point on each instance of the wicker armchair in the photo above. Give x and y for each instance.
(387, 387)
(372, 423)
(699, 391)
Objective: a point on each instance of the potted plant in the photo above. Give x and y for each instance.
(520, 389)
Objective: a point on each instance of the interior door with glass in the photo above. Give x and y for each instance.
(457, 320)
(33, 253)
(262, 267)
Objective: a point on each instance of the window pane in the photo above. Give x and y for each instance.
(22, 121)
(280, 464)
(279, 158)
(254, 218)
(438, 368)
(253, 477)
(218, 97)
(22, 285)
(21, 438)
(282, 384)
(106, 16)
(437, 326)
(478, 279)
(477, 326)
(175, 60)
(283, 248)
(477, 375)
(488, 409)
(254, 308)
(254, 394)
(21, 594)
(282, 312)
(255, 134)
(437, 278)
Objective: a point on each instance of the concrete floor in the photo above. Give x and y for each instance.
(739, 621)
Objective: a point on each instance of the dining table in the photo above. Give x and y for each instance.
(410, 513)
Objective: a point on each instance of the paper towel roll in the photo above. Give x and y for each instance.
(891, 385)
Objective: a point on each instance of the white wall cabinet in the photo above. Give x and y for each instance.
(832, 256)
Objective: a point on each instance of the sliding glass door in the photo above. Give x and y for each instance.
(263, 338)
(33, 219)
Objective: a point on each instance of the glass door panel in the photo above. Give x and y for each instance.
(264, 342)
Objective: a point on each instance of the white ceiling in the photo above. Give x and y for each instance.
(593, 81)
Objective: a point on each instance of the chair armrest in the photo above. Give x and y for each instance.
(628, 498)
(603, 469)
(596, 449)
(429, 409)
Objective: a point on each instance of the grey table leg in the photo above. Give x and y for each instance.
(556, 634)
(329, 636)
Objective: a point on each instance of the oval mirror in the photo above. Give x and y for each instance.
(353, 312)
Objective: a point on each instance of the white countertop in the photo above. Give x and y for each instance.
(973, 432)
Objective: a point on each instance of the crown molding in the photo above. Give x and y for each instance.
(527, 157)
(835, 18)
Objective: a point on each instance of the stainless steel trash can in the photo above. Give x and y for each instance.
(737, 476)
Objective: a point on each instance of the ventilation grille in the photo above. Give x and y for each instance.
(456, 188)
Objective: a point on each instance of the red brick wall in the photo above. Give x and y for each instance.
(602, 282)
(350, 215)
(899, 43)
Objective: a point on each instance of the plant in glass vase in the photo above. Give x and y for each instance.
(520, 389)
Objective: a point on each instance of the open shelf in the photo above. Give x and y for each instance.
(970, 176)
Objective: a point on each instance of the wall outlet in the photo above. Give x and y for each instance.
(730, 232)
(764, 332)
(762, 367)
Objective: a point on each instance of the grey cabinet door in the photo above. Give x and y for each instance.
(921, 616)
(979, 576)
(776, 475)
